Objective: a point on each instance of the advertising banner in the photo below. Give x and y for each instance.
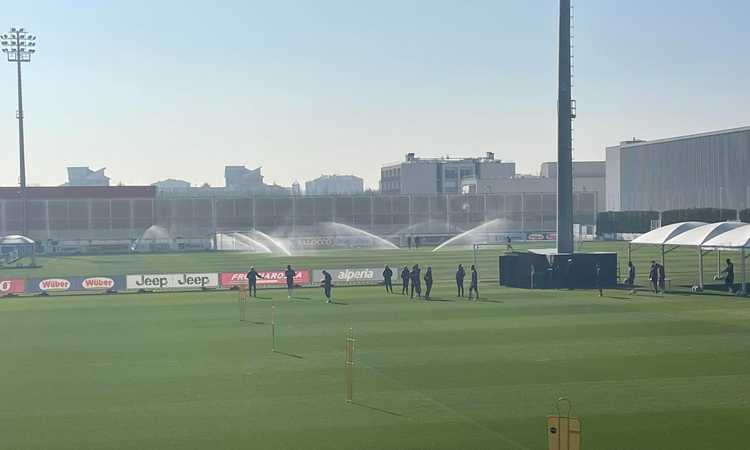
(352, 276)
(270, 278)
(12, 286)
(154, 282)
(76, 284)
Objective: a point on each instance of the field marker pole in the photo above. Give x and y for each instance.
(273, 328)
(242, 300)
(349, 366)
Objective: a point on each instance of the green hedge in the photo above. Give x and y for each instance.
(708, 215)
(609, 222)
(745, 215)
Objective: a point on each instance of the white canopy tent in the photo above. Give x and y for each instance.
(662, 235)
(698, 236)
(737, 239)
(716, 236)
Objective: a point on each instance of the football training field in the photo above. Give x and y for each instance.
(179, 370)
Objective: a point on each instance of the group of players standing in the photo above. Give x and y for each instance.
(411, 281)
(657, 277)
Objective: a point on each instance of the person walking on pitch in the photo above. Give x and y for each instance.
(460, 275)
(598, 279)
(405, 280)
(252, 281)
(474, 286)
(631, 277)
(387, 275)
(428, 283)
(416, 282)
(327, 284)
(729, 276)
(653, 277)
(290, 274)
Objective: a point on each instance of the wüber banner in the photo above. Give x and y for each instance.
(76, 284)
(352, 276)
(12, 286)
(154, 282)
(270, 278)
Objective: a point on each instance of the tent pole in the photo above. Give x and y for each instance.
(718, 261)
(744, 274)
(630, 259)
(700, 268)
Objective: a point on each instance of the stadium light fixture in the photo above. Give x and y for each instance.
(18, 45)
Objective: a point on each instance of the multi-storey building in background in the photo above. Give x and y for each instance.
(700, 170)
(439, 175)
(335, 185)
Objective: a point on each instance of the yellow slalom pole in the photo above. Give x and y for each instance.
(349, 366)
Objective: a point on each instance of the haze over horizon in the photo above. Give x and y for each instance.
(179, 90)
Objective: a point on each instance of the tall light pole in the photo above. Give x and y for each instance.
(18, 45)
(565, 136)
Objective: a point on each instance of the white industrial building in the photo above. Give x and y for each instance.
(701, 170)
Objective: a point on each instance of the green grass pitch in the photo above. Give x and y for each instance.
(181, 371)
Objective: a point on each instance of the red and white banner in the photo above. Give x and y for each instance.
(12, 286)
(270, 278)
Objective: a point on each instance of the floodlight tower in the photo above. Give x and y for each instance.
(565, 116)
(18, 45)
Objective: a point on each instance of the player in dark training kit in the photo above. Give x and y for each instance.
(290, 274)
(405, 281)
(387, 280)
(252, 281)
(327, 284)
(416, 282)
(428, 283)
(460, 275)
(474, 287)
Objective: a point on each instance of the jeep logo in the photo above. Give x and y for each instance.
(191, 281)
(154, 281)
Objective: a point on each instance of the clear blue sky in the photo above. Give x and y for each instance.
(159, 89)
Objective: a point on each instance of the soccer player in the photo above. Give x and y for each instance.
(290, 274)
(460, 275)
(508, 246)
(327, 283)
(729, 277)
(598, 279)
(405, 280)
(474, 286)
(631, 277)
(252, 279)
(653, 277)
(387, 275)
(428, 283)
(662, 279)
(416, 282)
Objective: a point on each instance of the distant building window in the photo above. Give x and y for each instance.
(451, 173)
